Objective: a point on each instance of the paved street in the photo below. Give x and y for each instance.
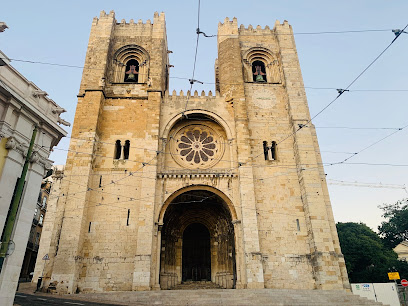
(34, 300)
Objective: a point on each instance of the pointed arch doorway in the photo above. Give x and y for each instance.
(197, 241)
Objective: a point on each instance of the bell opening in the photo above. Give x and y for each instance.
(259, 72)
(132, 71)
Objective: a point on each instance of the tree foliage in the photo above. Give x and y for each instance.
(395, 229)
(368, 260)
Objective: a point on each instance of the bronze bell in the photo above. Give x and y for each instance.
(259, 78)
(131, 77)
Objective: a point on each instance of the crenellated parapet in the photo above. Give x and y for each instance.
(230, 29)
(158, 19)
(194, 96)
(258, 30)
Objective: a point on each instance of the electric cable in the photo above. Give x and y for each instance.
(202, 82)
(340, 91)
(192, 80)
(374, 143)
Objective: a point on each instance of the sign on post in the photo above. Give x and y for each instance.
(404, 283)
(393, 275)
(46, 257)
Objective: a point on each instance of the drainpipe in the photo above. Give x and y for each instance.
(11, 219)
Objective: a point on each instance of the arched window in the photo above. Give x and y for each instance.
(118, 149)
(273, 150)
(259, 71)
(132, 71)
(126, 149)
(266, 149)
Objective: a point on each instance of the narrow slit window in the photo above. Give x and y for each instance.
(89, 228)
(127, 221)
(100, 181)
(259, 72)
(273, 150)
(118, 149)
(126, 149)
(132, 71)
(298, 225)
(265, 149)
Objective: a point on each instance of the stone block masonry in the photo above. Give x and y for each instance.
(125, 221)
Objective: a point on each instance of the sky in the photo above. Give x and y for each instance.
(58, 32)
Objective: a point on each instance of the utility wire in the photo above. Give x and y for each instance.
(206, 83)
(374, 143)
(311, 33)
(192, 80)
(341, 91)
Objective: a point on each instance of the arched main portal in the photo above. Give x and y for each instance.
(196, 254)
(197, 241)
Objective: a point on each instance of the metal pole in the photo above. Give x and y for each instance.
(8, 229)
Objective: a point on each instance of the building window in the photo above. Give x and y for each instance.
(132, 71)
(269, 152)
(35, 213)
(259, 72)
(273, 150)
(44, 202)
(261, 65)
(266, 150)
(126, 149)
(130, 64)
(37, 239)
(40, 222)
(118, 149)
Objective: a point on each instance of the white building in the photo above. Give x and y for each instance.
(402, 250)
(22, 107)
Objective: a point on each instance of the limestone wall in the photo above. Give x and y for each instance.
(107, 230)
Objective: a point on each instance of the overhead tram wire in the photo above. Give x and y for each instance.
(316, 33)
(341, 91)
(280, 166)
(206, 83)
(367, 185)
(373, 144)
(203, 198)
(192, 80)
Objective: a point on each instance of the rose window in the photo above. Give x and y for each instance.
(197, 146)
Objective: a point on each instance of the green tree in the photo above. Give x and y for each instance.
(368, 260)
(395, 228)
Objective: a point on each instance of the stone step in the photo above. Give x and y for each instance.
(190, 294)
(190, 285)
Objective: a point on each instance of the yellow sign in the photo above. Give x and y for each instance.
(393, 275)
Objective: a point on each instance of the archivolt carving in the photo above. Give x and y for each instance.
(125, 54)
(270, 61)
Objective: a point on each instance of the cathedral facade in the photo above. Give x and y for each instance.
(162, 188)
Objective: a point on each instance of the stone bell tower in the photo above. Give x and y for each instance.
(258, 72)
(161, 189)
(110, 109)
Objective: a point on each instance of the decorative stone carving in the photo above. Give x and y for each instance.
(11, 143)
(35, 157)
(197, 146)
(39, 93)
(264, 98)
(58, 110)
(63, 122)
